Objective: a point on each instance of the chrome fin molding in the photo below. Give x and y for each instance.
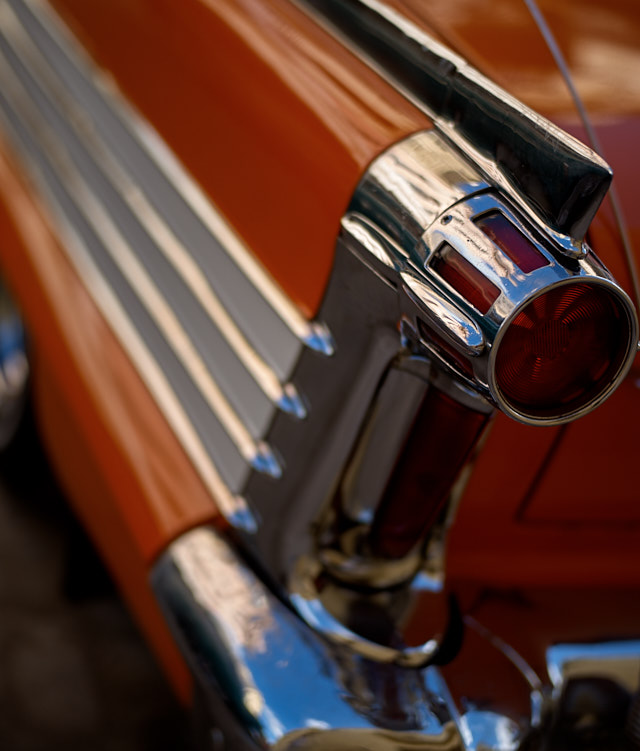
(555, 178)
(167, 270)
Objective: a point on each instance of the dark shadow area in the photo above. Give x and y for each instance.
(75, 673)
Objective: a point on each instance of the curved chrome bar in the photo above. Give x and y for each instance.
(284, 684)
(269, 681)
(552, 175)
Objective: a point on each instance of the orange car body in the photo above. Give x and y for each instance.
(277, 121)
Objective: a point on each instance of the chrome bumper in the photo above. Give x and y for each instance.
(269, 681)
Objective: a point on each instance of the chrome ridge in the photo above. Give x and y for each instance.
(167, 269)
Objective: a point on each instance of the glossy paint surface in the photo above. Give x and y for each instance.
(500, 38)
(125, 473)
(277, 122)
(271, 115)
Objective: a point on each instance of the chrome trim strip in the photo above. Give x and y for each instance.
(133, 271)
(144, 154)
(154, 213)
(233, 507)
(177, 275)
(285, 396)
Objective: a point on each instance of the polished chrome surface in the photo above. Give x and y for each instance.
(619, 661)
(284, 683)
(330, 607)
(272, 681)
(399, 224)
(383, 301)
(595, 692)
(556, 180)
(383, 435)
(212, 336)
(14, 367)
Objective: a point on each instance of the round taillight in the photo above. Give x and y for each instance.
(563, 352)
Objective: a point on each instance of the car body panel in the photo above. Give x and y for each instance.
(536, 516)
(339, 116)
(121, 465)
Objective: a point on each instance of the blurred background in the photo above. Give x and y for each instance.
(74, 671)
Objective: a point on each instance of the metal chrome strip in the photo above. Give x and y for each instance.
(75, 114)
(89, 203)
(231, 505)
(67, 218)
(142, 152)
(284, 396)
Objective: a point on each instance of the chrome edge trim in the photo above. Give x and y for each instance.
(105, 227)
(312, 333)
(96, 162)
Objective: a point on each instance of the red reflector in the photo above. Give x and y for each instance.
(511, 242)
(561, 351)
(465, 278)
(438, 446)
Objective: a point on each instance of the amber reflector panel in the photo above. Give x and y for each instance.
(562, 351)
(438, 446)
(511, 242)
(465, 278)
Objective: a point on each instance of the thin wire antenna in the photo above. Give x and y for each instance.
(594, 141)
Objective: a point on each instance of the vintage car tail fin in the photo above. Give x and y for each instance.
(543, 333)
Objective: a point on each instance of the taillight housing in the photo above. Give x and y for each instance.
(553, 334)
(562, 352)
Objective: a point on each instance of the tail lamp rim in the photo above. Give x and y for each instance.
(632, 348)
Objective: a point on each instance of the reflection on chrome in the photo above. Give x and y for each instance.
(457, 281)
(14, 367)
(596, 690)
(286, 686)
(513, 147)
(617, 661)
(283, 686)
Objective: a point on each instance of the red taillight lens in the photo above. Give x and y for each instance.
(512, 242)
(438, 446)
(464, 277)
(562, 351)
